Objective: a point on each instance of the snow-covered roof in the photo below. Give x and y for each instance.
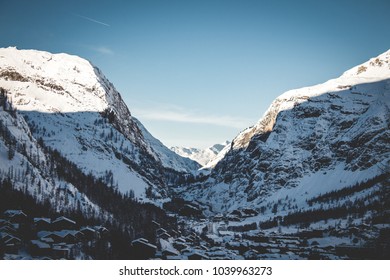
(47, 220)
(167, 247)
(11, 239)
(12, 213)
(40, 244)
(143, 242)
(87, 229)
(62, 218)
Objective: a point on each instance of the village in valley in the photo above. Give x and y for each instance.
(232, 236)
(24, 237)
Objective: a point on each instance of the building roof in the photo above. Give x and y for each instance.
(61, 233)
(85, 229)
(46, 220)
(62, 218)
(144, 242)
(7, 228)
(164, 235)
(167, 248)
(4, 235)
(40, 244)
(12, 213)
(140, 240)
(11, 239)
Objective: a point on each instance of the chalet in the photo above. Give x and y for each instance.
(67, 236)
(42, 224)
(155, 224)
(218, 218)
(251, 254)
(233, 218)
(179, 245)
(164, 235)
(61, 251)
(167, 249)
(186, 251)
(103, 232)
(39, 248)
(235, 213)
(174, 233)
(4, 236)
(142, 249)
(63, 223)
(247, 212)
(15, 216)
(49, 234)
(160, 231)
(189, 239)
(89, 233)
(8, 229)
(5, 223)
(12, 244)
(180, 239)
(47, 240)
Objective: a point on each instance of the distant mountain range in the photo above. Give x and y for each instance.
(207, 157)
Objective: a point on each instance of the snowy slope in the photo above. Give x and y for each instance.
(73, 108)
(206, 157)
(28, 169)
(310, 141)
(168, 158)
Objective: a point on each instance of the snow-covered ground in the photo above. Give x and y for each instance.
(74, 109)
(310, 141)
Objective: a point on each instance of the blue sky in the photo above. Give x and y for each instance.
(198, 72)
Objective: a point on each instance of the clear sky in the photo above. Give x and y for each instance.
(198, 72)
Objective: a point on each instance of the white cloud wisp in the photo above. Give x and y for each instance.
(176, 114)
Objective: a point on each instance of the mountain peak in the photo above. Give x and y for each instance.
(66, 90)
(306, 139)
(72, 107)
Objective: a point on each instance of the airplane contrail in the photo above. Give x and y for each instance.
(92, 20)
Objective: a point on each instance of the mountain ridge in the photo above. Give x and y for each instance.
(68, 101)
(333, 135)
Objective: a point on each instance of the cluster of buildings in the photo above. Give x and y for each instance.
(24, 237)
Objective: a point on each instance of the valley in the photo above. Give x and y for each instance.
(310, 180)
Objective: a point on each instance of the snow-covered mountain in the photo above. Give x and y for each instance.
(69, 105)
(310, 141)
(309, 180)
(207, 157)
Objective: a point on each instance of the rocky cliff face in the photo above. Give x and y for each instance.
(310, 141)
(71, 107)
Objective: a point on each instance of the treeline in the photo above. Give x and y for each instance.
(118, 238)
(358, 207)
(135, 217)
(130, 218)
(337, 194)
